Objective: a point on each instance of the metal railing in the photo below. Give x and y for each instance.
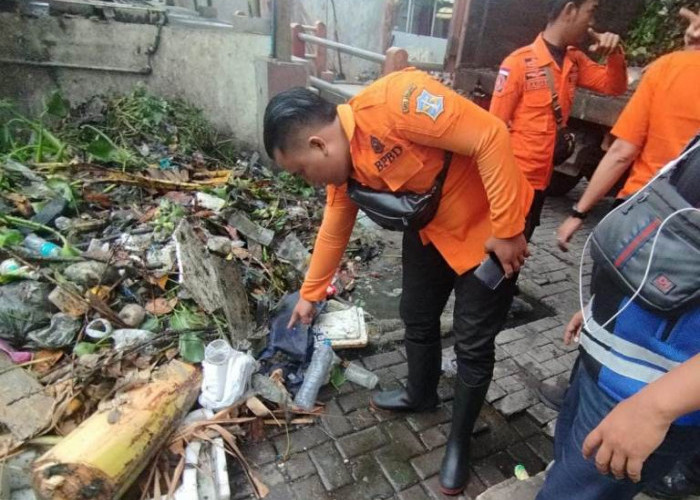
(394, 59)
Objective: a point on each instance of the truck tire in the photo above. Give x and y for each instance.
(561, 183)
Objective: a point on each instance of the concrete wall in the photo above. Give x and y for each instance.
(359, 24)
(213, 68)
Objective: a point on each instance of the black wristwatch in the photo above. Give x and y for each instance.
(575, 213)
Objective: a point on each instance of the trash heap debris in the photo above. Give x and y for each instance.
(144, 272)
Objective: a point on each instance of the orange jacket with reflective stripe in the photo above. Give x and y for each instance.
(523, 100)
(399, 129)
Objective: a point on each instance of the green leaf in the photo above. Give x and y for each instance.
(83, 348)
(62, 187)
(68, 250)
(57, 106)
(102, 149)
(191, 347)
(10, 237)
(152, 324)
(337, 376)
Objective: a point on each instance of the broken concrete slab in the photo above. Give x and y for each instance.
(24, 408)
(214, 283)
(250, 229)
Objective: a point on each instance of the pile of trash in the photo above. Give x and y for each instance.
(145, 269)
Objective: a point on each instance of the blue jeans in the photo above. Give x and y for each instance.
(574, 478)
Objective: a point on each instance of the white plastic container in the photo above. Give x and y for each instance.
(215, 368)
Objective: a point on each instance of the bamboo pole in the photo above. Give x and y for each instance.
(103, 456)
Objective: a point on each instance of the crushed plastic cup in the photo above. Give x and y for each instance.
(215, 367)
(98, 329)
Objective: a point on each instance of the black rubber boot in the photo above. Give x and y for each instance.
(420, 394)
(467, 404)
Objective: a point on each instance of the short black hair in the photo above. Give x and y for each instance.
(557, 6)
(290, 111)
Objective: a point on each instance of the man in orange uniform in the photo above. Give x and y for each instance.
(523, 98)
(394, 137)
(658, 122)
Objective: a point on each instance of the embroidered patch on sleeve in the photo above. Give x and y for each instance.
(503, 75)
(406, 98)
(377, 145)
(429, 104)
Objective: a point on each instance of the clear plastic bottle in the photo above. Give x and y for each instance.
(360, 376)
(41, 246)
(9, 266)
(319, 367)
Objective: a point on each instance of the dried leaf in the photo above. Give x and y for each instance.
(101, 292)
(257, 407)
(241, 253)
(46, 361)
(159, 281)
(161, 306)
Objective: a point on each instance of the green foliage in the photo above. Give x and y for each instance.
(167, 216)
(185, 318)
(658, 30)
(294, 184)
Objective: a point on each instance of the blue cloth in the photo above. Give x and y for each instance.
(574, 478)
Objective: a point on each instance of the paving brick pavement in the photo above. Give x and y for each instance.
(355, 452)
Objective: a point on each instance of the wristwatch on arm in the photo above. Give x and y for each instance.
(574, 212)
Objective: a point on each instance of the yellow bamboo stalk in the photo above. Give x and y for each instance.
(103, 456)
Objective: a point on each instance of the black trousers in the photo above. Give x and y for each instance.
(479, 311)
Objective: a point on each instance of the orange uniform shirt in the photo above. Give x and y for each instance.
(522, 99)
(399, 128)
(662, 116)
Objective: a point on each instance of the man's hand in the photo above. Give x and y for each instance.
(303, 311)
(566, 232)
(626, 438)
(604, 44)
(573, 329)
(511, 252)
(692, 34)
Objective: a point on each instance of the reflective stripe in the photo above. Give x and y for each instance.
(625, 347)
(620, 366)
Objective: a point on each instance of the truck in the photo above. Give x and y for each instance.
(484, 32)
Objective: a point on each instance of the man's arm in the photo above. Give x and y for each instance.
(610, 78)
(611, 169)
(508, 90)
(631, 130)
(333, 236)
(624, 440)
(466, 129)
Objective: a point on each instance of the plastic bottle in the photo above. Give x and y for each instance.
(319, 367)
(355, 373)
(521, 472)
(9, 266)
(41, 246)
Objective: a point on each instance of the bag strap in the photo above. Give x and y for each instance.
(556, 107)
(440, 180)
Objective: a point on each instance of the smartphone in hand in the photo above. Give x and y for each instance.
(490, 272)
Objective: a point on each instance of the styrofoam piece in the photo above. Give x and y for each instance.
(345, 328)
(188, 488)
(205, 475)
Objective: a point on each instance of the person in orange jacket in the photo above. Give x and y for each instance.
(395, 137)
(523, 97)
